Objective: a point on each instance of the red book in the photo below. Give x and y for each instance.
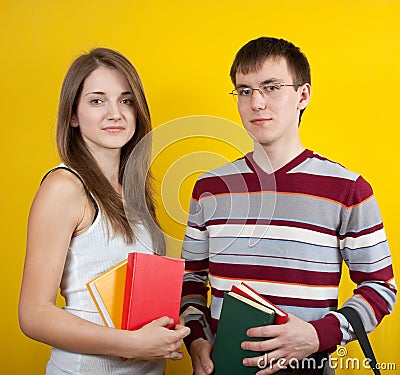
(280, 316)
(153, 288)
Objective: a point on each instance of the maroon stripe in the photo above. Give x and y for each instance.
(362, 232)
(320, 157)
(196, 331)
(328, 187)
(306, 154)
(287, 301)
(266, 257)
(214, 325)
(375, 300)
(235, 183)
(195, 226)
(275, 274)
(196, 265)
(192, 287)
(382, 274)
(263, 221)
(331, 187)
(329, 332)
(241, 221)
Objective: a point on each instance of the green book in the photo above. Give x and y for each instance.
(238, 314)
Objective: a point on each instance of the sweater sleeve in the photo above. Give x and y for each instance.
(194, 304)
(364, 249)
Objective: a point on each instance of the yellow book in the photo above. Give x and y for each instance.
(107, 291)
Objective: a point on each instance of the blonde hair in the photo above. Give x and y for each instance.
(75, 154)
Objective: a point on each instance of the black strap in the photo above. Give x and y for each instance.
(96, 207)
(354, 319)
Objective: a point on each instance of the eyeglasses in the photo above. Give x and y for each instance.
(270, 90)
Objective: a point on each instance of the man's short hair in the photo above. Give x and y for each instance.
(252, 55)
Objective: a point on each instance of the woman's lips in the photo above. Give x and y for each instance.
(113, 129)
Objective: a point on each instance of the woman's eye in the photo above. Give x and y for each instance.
(96, 101)
(127, 101)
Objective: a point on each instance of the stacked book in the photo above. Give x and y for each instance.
(138, 290)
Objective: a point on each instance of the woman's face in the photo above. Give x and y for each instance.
(105, 112)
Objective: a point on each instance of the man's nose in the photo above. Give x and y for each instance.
(257, 100)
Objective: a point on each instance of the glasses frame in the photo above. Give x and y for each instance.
(260, 89)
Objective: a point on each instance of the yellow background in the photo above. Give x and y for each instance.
(183, 51)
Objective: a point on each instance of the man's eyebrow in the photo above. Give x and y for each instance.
(271, 80)
(266, 82)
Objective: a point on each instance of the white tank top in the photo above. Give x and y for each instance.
(90, 254)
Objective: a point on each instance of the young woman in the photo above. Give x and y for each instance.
(78, 227)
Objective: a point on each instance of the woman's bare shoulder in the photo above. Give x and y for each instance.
(61, 191)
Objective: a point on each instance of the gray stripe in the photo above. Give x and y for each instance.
(193, 300)
(366, 314)
(237, 167)
(327, 168)
(364, 216)
(196, 215)
(194, 249)
(303, 209)
(275, 253)
(189, 276)
(368, 259)
(384, 292)
(345, 328)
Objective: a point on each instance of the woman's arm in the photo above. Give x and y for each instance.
(59, 211)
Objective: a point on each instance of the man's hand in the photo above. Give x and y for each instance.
(200, 351)
(295, 339)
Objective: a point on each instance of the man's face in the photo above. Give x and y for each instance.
(272, 118)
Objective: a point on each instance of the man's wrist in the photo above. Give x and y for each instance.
(328, 331)
(196, 343)
(315, 341)
(196, 332)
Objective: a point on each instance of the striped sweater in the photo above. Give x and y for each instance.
(286, 235)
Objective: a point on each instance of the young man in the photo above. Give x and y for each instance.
(282, 219)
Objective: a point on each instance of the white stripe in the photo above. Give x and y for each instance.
(196, 233)
(273, 232)
(281, 290)
(305, 264)
(367, 240)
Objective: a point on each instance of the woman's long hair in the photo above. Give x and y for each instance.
(75, 154)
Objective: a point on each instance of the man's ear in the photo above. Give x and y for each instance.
(74, 121)
(305, 96)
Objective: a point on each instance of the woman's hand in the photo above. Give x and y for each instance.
(154, 341)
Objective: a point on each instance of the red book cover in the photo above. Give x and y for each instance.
(280, 316)
(153, 288)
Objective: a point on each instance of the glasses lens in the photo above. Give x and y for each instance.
(271, 90)
(244, 94)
